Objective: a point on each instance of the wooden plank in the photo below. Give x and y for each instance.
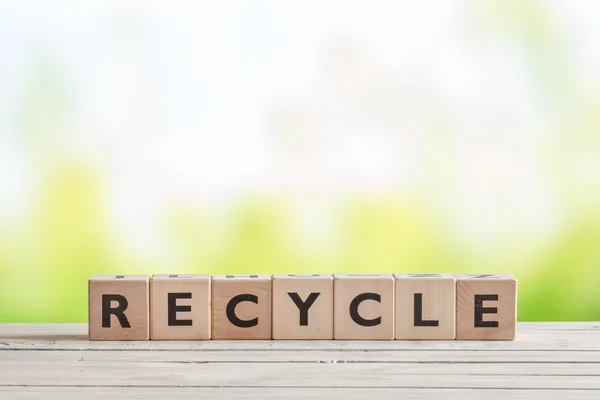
(363, 375)
(317, 356)
(416, 368)
(531, 336)
(150, 393)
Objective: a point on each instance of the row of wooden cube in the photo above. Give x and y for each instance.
(340, 306)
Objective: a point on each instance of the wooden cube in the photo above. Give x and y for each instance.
(425, 306)
(118, 307)
(303, 307)
(241, 307)
(363, 306)
(180, 307)
(486, 307)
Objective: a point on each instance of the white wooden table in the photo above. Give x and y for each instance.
(548, 360)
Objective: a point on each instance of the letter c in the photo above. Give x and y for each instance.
(354, 309)
(230, 311)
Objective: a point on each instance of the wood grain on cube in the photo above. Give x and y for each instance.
(180, 307)
(363, 306)
(241, 307)
(425, 306)
(303, 307)
(486, 307)
(118, 307)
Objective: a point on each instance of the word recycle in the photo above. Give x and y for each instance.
(399, 306)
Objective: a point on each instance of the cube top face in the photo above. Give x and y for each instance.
(478, 277)
(420, 275)
(363, 307)
(486, 307)
(120, 277)
(425, 307)
(181, 276)
(251, 277)
(118, 307)
(180, 307)
(363, 276)
(303, 307)
(241, 308)
(303, 276)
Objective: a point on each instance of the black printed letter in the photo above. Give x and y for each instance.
(173, 308)
(303, 306)
(230, 311)
(419, 313)
(354, 309)
(480, 310)
(118, 311)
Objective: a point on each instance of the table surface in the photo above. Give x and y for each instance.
(547, 360)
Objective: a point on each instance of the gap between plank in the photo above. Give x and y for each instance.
(300, 387)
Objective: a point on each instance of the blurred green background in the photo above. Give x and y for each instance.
(272, 137)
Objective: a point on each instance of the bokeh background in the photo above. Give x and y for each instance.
(150, 137)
